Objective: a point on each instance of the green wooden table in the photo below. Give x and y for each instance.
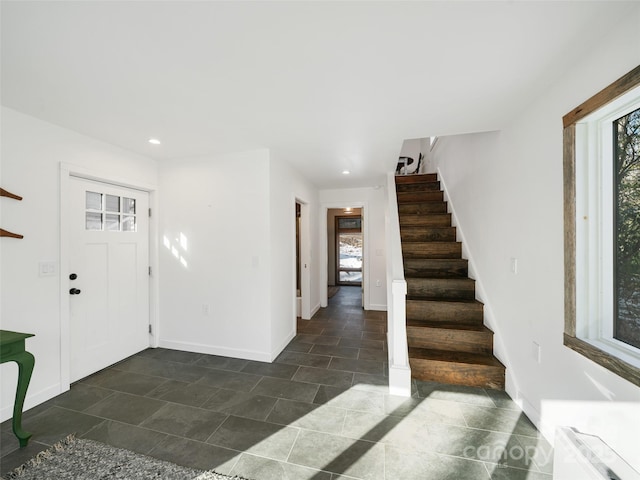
(12, 350)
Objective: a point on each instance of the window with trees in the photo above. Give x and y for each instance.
(602, 227)
(626, 132)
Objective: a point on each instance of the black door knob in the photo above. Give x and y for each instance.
(73, 276)
(74, 291)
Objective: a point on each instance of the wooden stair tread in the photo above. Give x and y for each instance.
(417, 178)
(447, 325)
(485, 359)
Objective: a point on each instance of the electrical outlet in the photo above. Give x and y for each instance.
(205, 309)
(378, 283)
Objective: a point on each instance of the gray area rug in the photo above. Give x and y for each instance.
(77, 459)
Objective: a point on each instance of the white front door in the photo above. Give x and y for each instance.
(109, 275)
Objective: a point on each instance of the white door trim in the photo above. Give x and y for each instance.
(68, 170)
(305, 258)
(324, 253)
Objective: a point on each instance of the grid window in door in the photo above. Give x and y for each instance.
(104, 212)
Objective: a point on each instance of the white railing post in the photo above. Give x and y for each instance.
(399, 369)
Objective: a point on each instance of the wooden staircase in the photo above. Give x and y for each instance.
(448, 341)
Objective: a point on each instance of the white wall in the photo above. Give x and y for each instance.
(373, 225)
(32, 151)
(219, 206)
(506, 190)
(285, 187)
(231, 290)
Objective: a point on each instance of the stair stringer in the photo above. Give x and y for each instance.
(489, 318)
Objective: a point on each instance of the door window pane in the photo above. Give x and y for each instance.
(113, 222)
(128, 223)
(93, 221)
(128, 205)
(94, 201)
(113, 203)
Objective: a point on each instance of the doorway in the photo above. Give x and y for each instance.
(108, 261)
(346, 259)
(349, 250)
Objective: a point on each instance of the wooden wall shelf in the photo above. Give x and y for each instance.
(4, 193)
(3, 232)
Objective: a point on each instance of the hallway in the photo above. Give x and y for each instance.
(320, 411)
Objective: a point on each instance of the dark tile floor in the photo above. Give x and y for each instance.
(321, 411)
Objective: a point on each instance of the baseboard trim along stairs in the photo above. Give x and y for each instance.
(448, 341)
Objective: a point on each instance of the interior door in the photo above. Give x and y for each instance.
(109, 280)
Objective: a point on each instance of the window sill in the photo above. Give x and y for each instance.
(607, 356)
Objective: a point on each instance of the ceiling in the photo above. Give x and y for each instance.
(326, 86)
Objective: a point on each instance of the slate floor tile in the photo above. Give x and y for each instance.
(498, 420)
(184, 421)
(324, 376)
(222, 363)
(56, 423)
(193, 394)
(499, 472)
(190, 453)
(241, 404)
(351, 399)
(243, 382)
(126, 408)
(129, 382)
(358, 366)
(456, 393)
(292, 390)
(322, 418)
(336, 454)
(122, 435)
(317, 339)
(251, 466)
(334, 351)
(81, 396)
(304, 359)
(276, 370)
(175, 355)
(260, 438)
(161, 368)
(405, 465)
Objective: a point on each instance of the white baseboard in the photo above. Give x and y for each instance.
(377, 307)
(315, 309)
(216, 350)
(278, 350)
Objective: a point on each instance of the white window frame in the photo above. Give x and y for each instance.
(595, 228)
(589, 224)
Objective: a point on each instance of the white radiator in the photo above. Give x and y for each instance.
(578, 456)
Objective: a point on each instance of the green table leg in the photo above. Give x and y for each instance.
(25, 362)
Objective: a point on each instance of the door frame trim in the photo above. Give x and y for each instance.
(324, 253)
(68, 170)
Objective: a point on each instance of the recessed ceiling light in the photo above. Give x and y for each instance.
(346, 172)
(154, 141)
